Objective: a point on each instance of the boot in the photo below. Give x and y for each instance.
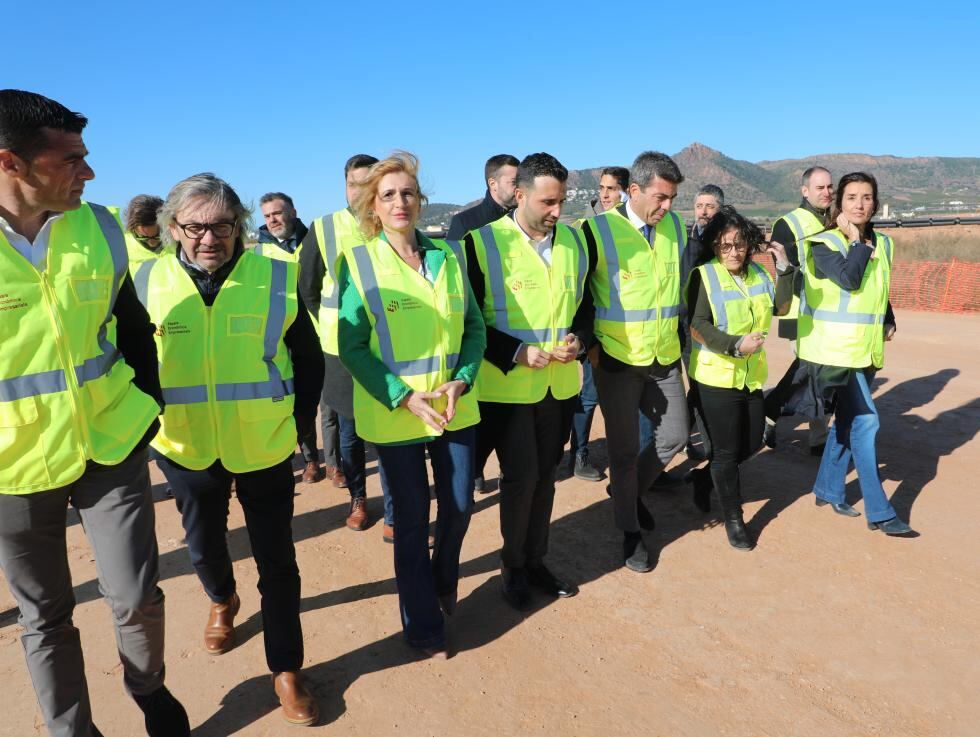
(298, 705)
(163, 715)
(313, 473)
(700, 480)
(219, 634)
(738, 535)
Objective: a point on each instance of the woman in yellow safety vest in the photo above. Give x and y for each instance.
(845, 319)
(412, 337)
(732, 300)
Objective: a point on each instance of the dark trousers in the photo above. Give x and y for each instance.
(421, 580)
(736, 419)
(657, 392)
(529, 439)
(585, 405)
(266, 497)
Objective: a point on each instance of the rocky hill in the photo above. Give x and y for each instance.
(922, 184)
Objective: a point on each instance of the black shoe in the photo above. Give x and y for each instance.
(893, 526)
(843, 508)
(163, 714)
(514, 587)
(817, 450)
(447, 602)
(480, 484)
(635, 553)
(583, 469)
(769, 435)
(96, 732)
(666, 479)
(738, 536)
(540, 577)
(700, 480)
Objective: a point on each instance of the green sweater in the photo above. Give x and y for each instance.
(354, 335)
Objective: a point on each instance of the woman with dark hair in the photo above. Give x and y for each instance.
(412, 336)
(845, 319)
(732, 300)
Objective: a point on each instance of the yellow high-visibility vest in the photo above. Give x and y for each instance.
(66, 394)
(335, 234)
(532, 302)
(736, 311)
(225, 370)
(417, 331)
(838, 327)
(637, 288)
(803, 224)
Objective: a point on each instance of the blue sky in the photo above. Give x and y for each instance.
(276, 96)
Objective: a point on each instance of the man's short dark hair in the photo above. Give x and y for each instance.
(494, 164)
(24, 115)
(652, 164)
(811, 171)
(272, 196)
(620, 173)
(359, 161)
(712, 190)
(539, 165)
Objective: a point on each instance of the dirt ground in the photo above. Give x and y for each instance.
(825, 630)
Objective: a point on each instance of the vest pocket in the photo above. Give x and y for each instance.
(90, 290)
(21, 451)
(258, 410)
(245, 324)
(456, 304)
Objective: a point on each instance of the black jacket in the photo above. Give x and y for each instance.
(134, 340)
(483, 213)
(782, 234)
(301, 339)
(289, 244)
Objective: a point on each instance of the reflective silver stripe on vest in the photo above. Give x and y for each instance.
(330, 301)
(795, 225)
(274, 389)
(32, 385)
(887, 243)
(457, 248)
(142, 280)
(615, 311)
(275, 324)
(498, 288)
(765, 287)
(583, 262)
(840, 314)
(99, 365)
(369, 283)
(185, 394)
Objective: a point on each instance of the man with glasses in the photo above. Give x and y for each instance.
(79, 399)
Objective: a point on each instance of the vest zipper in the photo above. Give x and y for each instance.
(71, 381)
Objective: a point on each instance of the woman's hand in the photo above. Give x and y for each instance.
(849, 229)
(750, 343)
(418, 403)
(568, 350)
(453, 390)
(778, 252)
(889, 331)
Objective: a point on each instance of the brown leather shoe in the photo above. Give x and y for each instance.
(339, 480)
(312, 473)
(358, 517)
(298, 704)
(388, 533)
(219, 634)
(330, 471)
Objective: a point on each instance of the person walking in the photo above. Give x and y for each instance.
(732, 300)
(79, 399)
(240, 370)
(845, 320)
(412, 336)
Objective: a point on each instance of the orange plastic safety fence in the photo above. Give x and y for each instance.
(930, 286)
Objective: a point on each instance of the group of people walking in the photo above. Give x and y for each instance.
(160, 335)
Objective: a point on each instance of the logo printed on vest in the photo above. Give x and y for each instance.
(521, 284)
(172, 327)
(634, 274)
(11, 303)
(392, 306)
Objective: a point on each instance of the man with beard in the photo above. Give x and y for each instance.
(283, 232)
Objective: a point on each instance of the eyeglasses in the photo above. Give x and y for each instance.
(728, 247)
(197, 230)
(150, 240)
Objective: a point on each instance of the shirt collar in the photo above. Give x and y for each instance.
(535, 243)
(634, 218)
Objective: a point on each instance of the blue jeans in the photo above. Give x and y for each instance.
(352, 462)
(853, 436)
(584, 412)
(421, 580)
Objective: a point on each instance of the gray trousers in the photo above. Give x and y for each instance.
(116, 511)
(658, 393)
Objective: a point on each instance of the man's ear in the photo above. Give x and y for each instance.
(11, 164)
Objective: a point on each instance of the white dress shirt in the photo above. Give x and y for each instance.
(37, 252)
